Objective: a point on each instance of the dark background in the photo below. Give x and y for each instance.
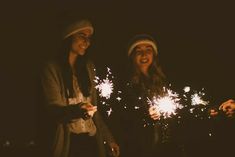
(195, 41)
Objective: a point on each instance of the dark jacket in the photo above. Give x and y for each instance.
(142, 133)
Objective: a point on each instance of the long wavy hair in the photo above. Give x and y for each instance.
(81, 70)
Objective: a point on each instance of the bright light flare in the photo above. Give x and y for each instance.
(186, 89)
(196, 99)
(109, 112)
(166, 105)
(104, 86)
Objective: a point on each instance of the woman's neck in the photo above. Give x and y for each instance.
(144, 71)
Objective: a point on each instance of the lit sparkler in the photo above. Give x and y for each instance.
(195, 103)
(104, 86)
(197, 99)
(166, 105)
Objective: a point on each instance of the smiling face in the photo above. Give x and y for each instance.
(143, 57)
(81, 41)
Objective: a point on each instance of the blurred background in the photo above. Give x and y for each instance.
(195, 41)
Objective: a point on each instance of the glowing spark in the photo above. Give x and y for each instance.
(109, 111)
(186, 89)
(105, 86)
(191, 110)
(136, 107)
(167, 104)
(196, 99)
(119, 99)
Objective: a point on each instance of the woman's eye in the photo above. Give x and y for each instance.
(149, 50)
(138, 52)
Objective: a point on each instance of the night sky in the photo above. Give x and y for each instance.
(195, 42)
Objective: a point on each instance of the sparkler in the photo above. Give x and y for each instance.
(195, 102)
(169, 104)
(166, 105)
(104, 86)
(197, 99)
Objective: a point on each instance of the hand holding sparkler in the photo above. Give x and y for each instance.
(154, 113)
(165, 105)
(89, 110)
(213, 112)
(228, 108)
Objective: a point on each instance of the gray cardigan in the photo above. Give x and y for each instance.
(59, 110)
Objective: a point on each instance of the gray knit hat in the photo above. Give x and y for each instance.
(142, 39)
(76, 27)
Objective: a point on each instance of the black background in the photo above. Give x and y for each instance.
(195, 41)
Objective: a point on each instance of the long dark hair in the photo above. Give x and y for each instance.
(156, 80)
(81, 70)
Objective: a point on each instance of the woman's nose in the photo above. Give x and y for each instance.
(143, 54)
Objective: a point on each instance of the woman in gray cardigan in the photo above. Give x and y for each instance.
(76, 128)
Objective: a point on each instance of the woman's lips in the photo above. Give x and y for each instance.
(143, 61)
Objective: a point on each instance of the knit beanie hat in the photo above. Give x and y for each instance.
(76, 27)
(142, 39)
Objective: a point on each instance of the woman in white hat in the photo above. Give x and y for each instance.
(76, 128)
(146, 80)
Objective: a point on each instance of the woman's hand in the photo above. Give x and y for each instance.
(154, 113)
(228, 107)
(213, 112)
(89, 110)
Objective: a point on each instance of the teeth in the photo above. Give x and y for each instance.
(144, 60)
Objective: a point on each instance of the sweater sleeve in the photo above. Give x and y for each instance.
(52, 88)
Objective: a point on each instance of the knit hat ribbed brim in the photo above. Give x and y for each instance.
(142, 39)
(76, 27)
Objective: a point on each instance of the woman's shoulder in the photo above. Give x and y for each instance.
(52, 65)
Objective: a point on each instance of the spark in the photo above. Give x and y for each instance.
(167, 104)
(196, 99)
(104, 86)
(109, 112)
(136, 107)
(186, 89)
(119, 99)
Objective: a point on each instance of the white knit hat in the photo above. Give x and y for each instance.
(76, 27)
(142, 39)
